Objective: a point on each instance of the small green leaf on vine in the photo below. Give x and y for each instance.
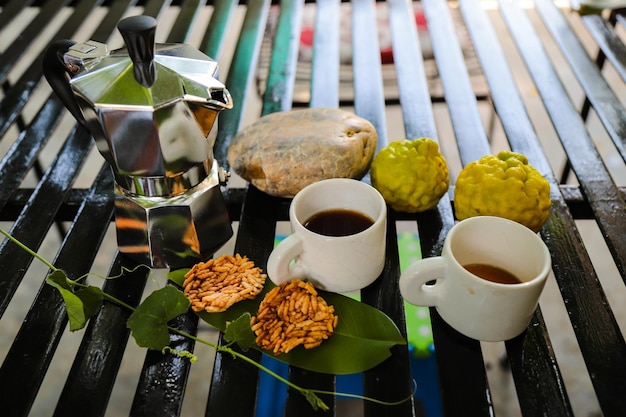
(80, 305)
(239, 331)
(148, 322)
(92, 300)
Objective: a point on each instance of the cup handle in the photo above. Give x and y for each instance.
(414, 278)
(279, 261)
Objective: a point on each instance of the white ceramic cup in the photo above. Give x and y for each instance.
(332, 263)
(476, 307)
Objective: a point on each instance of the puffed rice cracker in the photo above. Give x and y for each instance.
(217, 284)
(293, 314)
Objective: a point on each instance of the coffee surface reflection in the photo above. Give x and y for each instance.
(492, 273)
(338, 222)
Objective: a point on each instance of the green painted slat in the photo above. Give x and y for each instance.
(213, 39)
(242, 69)
(185, 21)
(156, 8)
(282, 72)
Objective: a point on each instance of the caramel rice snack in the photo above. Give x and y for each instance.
(217, 284)
(293, 314)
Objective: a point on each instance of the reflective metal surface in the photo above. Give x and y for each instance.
(174, 231)
(151, 109)
(160, 131)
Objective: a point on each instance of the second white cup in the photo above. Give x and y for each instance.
(487, 281)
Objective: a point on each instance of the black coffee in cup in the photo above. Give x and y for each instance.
(338, 222)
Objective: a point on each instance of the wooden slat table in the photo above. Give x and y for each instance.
(42, 163)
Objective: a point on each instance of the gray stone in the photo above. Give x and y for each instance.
(283, 152)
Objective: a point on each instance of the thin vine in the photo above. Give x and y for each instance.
(149, 325)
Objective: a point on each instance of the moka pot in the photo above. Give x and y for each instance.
(151, 108)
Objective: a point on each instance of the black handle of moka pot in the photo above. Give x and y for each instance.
(139, 34)
(58, 76)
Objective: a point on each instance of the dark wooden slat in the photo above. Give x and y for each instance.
(419, 121)
(609, 42)
(462, 377)
(27, 361)
(115, 12)
(255, 238)
(25, 150)
(598, 334)
(466, 121)
(576, 203)
(619, 15)
(38, 215)
(466, 392)
(533, 362)
(12, 9)
(91, 378)
(369, 97)
(16, 97)
(596, 182)
(606, 104)
(369, 103)
(163, 379)
(30, 32)
(297, 405)
(540, 389)
(391, 379)
(417, 109)
(325, 65)
(156, 8)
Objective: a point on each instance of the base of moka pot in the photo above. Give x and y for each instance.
(173, 232)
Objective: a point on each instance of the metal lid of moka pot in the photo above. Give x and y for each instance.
(150, 108)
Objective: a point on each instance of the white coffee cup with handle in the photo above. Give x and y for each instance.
(486, 304)
(345, 250)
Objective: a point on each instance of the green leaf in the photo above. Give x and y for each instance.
(239, 331)
(178, 276)
(73, 304)
(361, 340)
(92, 300)
(58, 279)
(74, 308)
(148, 322)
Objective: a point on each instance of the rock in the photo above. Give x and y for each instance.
(283, 152)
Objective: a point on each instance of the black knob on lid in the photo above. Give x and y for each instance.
(139, 33)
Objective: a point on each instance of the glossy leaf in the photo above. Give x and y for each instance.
(361, 340)
(92, 300)
(239, 331)
(80, 305)
(149, 321)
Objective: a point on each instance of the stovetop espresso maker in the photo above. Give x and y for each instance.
(151, 108)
